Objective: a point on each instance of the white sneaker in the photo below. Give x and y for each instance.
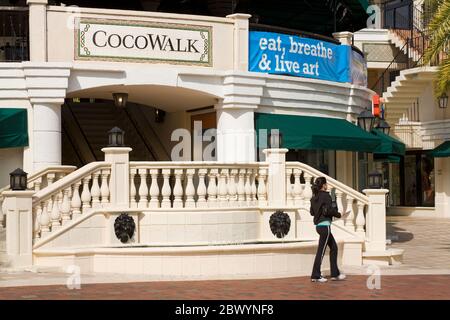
(321, 279)
(339, 277)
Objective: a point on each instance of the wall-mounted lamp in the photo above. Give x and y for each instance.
(120, 99)
(366, 120)
(383, 126)
(443, 101)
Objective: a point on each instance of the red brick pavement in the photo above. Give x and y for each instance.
(300, 288)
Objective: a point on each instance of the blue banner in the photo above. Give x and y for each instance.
(277, 53)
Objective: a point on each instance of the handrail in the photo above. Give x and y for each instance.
(65, 182)
(332, 182)
(194, 164)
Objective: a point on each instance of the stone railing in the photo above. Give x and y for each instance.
(69, 197)
(38, 181)
(350, 203)
(197, 184)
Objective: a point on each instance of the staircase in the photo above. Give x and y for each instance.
(86, 126)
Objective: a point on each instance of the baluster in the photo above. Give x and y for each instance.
(350, 215)
(37, 184)
(86, 195)
(248, 187)
(166, 191)
(232, 187)
(37, 218)
(95, 190)
(178, 189)
(154, 189)
(133, 202)
(104, 189)
(289, 189)
(56, 214)
(143, 189)
(45, 219)
(50, 178)
(76, 200)
(190, 189)
(65, 206)
(360, 219)
(212, 188)
(340, 206)
(241, 188)
(307, 192)
(253, 191)
(223, 190)
(262, 192)
(298, 198)
(201, 189)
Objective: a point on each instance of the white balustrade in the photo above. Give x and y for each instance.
(253, 191)
(190, 190)
(298, 189)
(154, 189)
(201, 189)
(178, 189)
(241, 188)
(262, 190)
(75, 203)
(350, 216)
(289, 189)
(165, 191)
(360, 219)
(212, 188)
(133, 202)
(95, 190)
(232, 190)
(86, 195)
(223, 190)
(65, 206)
(104, 189)
(143, 189)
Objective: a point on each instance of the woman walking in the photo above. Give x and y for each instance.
(323, 212)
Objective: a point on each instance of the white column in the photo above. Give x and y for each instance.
(376, 220)
(276, 179)
(47, 135)
(38, 30)
(235, 135)
(119, 183)
(19, 227)
(240, 36)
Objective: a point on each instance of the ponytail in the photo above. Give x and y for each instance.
(318, 184)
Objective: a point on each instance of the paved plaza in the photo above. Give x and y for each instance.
(425, 274)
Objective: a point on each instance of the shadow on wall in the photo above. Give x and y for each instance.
(396, 234)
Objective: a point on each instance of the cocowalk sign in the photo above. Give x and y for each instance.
(116, 40)
(302, 57)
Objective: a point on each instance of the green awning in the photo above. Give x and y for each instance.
(389, 145)
(442, 150)
(13, 128)
(386, 158)
(317, 133)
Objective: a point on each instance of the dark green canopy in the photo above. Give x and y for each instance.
(389, 145)
(317, 133)
(441, 151)
(13, 128)
(386, 158)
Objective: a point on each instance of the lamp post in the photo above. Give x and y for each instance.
(375, 180)
(443, 101)
(366, 120)
(116, 137)
(18, 180)
(120, 99)
(383, 126)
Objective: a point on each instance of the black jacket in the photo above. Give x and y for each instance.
(322, 208)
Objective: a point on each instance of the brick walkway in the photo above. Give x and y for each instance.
(355, 287)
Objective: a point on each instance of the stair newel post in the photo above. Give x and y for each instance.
(201, 189)
(119, 182)
(376, 220)
(190, 189)
(178, 189)
(76, 200)
(212, 188)
(143, 189)
(19, 227)
(154, 189)
(65, 206)
(166, 190)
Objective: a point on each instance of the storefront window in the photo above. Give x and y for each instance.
(427, 174)
(410, 176)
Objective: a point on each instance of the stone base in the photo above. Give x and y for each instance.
(383, 258)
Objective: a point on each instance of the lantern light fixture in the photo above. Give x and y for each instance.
(375, 180)
(443, 101)
(383, 126)
(18, 180)
(120, 99)
(116, 137)
(366, 120)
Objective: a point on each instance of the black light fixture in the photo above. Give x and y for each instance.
(383, 126)
(366, 120)
(120, 99)
(116, 137)
(18, 180)
(159, 115)
(375, 180)
(443, 101)
(275, 139)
